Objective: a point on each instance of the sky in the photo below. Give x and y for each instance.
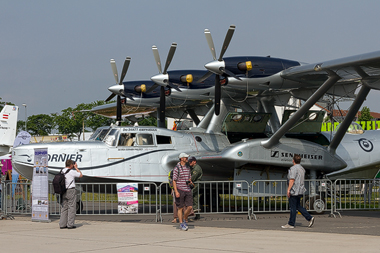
(56, 54)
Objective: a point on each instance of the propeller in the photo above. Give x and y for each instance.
(119, 88)
(218, 66)
(162, 79)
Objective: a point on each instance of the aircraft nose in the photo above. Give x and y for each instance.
(160, 79)
(23, 161)
(215, 66)
(117, 89)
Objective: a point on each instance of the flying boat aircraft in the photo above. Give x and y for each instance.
(226, 143)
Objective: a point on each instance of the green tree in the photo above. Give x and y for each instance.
(40, 124)
(365, 114)
(20, 125)
(94, 121)
(72, 120)
(4, 103)
(148, 121)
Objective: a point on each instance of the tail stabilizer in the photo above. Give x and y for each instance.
(8, 126)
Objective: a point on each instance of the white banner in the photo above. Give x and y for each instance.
(40, 186)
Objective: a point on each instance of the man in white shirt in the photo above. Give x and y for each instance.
(69, 197)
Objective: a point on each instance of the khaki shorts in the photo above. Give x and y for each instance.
(185, 199)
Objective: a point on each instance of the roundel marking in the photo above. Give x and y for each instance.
(240, 153)
(365, 144)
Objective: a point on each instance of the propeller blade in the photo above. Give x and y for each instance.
(210, 43)
(162, 106)
(205, 76)
(152, 88)
(227, 41)
(110, 97)
(125, 69)
(157, 58)
(114, 71)
(218, 91)
(229, 73)
(170, 56)
(118, 109)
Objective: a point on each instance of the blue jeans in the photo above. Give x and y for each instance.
(294, 205)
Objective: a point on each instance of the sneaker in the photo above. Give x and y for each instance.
(183, 227)
(311, 222)
(185, 223)
(287, 226)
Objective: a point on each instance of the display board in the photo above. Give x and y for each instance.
(127, 195)
(40, 186)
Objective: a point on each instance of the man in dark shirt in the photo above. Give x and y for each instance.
(196, 175)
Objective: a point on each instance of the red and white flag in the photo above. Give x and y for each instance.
(5, 116)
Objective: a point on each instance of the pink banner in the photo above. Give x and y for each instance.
(7, 165)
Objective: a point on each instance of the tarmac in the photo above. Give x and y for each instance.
(355, 231)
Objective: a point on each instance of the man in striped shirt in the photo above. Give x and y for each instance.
(182, 190)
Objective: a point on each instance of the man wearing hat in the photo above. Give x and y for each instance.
(182, 190)
(196, 175)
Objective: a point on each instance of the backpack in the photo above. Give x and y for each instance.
(170, 177)
(59, 183)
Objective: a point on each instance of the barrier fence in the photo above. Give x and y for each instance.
(356, 194)
(271, 196)
(214, 197)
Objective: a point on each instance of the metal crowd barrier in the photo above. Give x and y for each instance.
(271, 196)
(92, 199)
(101, 199)
(356, 194)
(215, 197)
(16, 198)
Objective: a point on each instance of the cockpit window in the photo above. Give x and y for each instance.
(127, 139)
(99, 134)
(111, 137)
(144, 139)
(354, 128)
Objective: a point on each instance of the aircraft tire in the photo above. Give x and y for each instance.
(317, 204)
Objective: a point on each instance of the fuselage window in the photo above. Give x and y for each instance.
(164, 139)
(144, 139)
(127, 139)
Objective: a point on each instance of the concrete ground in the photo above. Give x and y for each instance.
(354, 232)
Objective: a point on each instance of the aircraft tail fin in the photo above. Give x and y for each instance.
(8, 126)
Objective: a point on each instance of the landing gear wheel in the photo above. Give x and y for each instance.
(317, 204)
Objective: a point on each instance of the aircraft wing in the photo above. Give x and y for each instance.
(109, 110)
(175, 108)
(352, 70)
